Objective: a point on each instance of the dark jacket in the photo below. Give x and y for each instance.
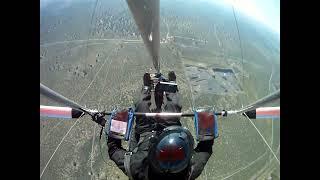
(140, 142)
(139, 159)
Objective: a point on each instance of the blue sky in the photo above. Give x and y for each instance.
(265, 11)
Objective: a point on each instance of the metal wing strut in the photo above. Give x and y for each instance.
(44, 90)
(265, 100)
(146, 16)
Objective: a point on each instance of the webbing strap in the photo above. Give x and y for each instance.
(127, 157)
(190, 173)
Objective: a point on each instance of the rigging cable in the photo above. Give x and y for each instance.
(62, 140)
(276, 93)
(99, 103)
(87, 54)
(101, 131)
(262, 138)
(240, 43)
(94, 78)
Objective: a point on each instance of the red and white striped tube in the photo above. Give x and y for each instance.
(59, 112)
(268, 112)
(264, 113)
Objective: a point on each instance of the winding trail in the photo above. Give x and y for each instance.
(183, 37)
(168, 30)
(92, 150)
(270, 79)
(215, 32)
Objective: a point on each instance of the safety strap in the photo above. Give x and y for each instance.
(140, 141)
(190, 173)
(127, 157)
